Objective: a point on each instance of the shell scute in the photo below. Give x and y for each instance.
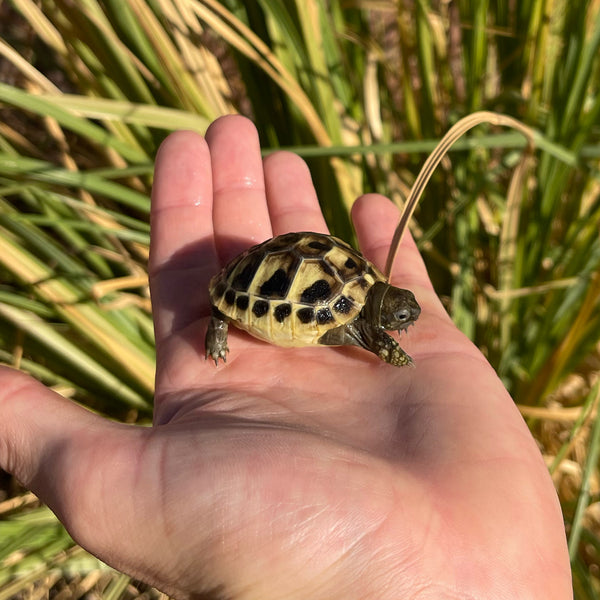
(275, 275)
(281, 242)
(347, 267)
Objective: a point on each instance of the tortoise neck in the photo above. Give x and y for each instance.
(371, 311)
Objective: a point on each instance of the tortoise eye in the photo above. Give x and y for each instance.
(402, 315)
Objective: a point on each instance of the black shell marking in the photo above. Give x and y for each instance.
(324, 316)
(245, 276)
(220, 289)
(319, 290)
(306, 314)
(282, 312)
(319, 246)
(276, 286)
(242, 302)
(343, 305)
(260, 308)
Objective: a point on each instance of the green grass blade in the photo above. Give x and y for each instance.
(51, 108)
(591, 466)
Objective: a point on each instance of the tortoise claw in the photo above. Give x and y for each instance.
(217, 352)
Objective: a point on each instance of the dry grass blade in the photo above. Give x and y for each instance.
(175, 70)
(43, 26)
(26, 68)
(508, 244)
(248, 43)
(199, 61)
(433, 161)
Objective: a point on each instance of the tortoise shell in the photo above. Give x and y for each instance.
(293, 288)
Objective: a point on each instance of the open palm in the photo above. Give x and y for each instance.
(293, 473)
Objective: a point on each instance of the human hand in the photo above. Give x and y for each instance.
(292, 473)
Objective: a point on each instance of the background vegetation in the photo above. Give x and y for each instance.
(362, 89)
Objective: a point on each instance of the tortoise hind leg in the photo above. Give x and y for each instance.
(215, 342)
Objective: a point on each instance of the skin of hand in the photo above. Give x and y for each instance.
(293, 473)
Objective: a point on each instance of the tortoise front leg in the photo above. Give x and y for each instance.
(215, 341)
(388, 349)
(373, 339)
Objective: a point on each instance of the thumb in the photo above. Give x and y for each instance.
(74, 460)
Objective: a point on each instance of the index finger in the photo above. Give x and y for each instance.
(182, 250)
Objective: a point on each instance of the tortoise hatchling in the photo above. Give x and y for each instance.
(304, 289)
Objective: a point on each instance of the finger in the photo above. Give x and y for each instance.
(375, 218)
(291, 197)
(240, 215)
(182, 251)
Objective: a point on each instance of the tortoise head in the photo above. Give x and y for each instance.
(390, 307)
